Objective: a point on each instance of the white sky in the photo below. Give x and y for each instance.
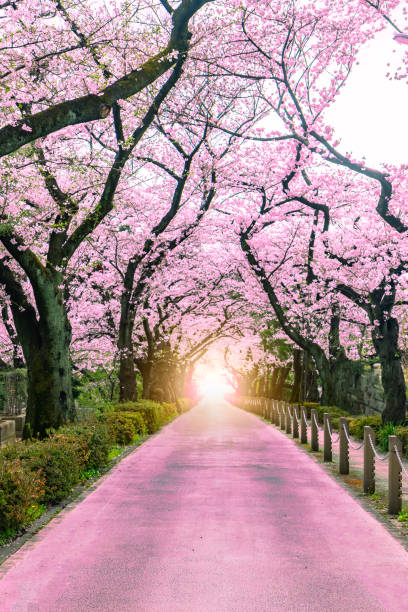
(370, 116)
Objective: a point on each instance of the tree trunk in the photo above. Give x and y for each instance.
(145, 368)
(385, 339)
(283, 374)
(338, 376)
(127, 379)
(274, 381)
(297, 376)
(127, 373)
(46, 343)
(309, 391)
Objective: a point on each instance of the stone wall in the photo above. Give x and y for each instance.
(13, 392)
(7, 432)
(368, 397)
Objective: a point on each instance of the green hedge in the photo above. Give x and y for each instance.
(125, 426)
(20, 491)
(357, 425)
(58, 460)
(185, 404)
(36, 473)
(151, 412)
(309, 406)
(402, 433)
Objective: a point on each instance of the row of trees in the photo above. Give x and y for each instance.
(168, 177)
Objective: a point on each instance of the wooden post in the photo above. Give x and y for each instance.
(288, 419)
(394, 476)
(283, 415)
(369, 460)
(314, 442)
(303, 426)
(344, 464)
(327, 448)
(275, 412)
(295, 422)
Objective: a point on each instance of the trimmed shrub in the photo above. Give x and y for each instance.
(185, 404)
(20, 491)
(56, 459)
(334, 411)
(169, 411)
(402, 433)
(137, 420)
(357, 424)
(94, 437)
(309, 406)
(123, 426)
(121, 429)
(150, 411)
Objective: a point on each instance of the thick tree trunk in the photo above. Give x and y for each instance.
(46, 343)
(145, 368)
(147, 384)
(326, 376)
(338, 377)
(127, 372)
(49, 399)
(127, 379)
(385, 339)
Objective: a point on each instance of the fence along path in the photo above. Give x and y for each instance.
(387, 473)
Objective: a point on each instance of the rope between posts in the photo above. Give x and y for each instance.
(296, 417)
(400, 462)
(331, 434)
(375, 452)
(316, 423)
(349, 441)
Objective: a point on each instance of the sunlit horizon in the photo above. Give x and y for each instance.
(212, 383)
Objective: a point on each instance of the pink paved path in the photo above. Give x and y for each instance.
(219, 512)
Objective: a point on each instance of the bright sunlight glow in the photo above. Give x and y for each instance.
(212, 384)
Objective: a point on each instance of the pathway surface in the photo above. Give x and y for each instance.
(218, 512)
(356, 459)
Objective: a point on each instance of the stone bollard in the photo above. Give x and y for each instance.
(288, 419)
(314, 435)
(369, 461)
(283, 415)
(327, 448)
(394, 476)
(344, 463)
(295, 422)
(303, 426)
